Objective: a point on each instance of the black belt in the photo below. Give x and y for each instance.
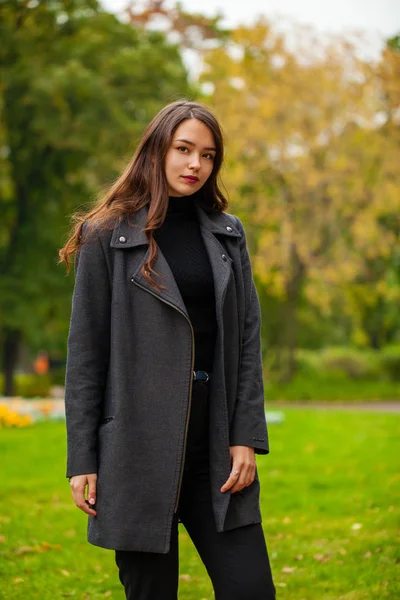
(202, 376)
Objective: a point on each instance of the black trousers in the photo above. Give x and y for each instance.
(236, 561)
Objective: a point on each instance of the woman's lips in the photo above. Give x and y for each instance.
(189, 179)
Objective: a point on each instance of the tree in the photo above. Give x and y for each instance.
(306, 167)
(78, 87)
(193, 31)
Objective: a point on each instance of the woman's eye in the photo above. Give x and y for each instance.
(182, 148)
(210, 156)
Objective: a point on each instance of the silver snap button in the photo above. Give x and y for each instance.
(122, 239)
(229, 228)
(224, 257)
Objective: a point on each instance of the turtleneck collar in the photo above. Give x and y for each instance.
(180, 204)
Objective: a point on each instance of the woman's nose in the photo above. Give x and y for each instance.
(194, 162)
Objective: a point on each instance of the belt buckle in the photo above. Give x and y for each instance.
(203, 380)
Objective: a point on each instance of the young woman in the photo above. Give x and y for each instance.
(164, 391)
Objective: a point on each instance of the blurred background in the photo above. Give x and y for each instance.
(308, 94)
(310, 110)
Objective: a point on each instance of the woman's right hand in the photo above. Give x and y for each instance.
(78, 485)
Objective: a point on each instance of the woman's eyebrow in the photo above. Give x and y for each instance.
(192, 144)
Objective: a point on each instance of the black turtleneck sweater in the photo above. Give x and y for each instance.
(181, 243)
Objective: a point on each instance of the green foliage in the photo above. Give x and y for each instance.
(78, 87)
(316, 180)
(390, 362)
(327, 473)
(352, 363)
(394, 43)
(31, 385)
(337, 373)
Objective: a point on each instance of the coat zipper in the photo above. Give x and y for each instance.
(187, 416)
(190, 388)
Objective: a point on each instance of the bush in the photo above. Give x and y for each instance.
(338, 373)
(390, 362)
(338, 363)
(57, 376)
(359, 365)
(32, 385)
(29, 385)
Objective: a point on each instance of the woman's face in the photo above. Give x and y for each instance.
(190, 157)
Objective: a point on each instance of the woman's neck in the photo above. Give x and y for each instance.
(180, 204)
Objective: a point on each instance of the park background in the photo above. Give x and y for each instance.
(311, 120)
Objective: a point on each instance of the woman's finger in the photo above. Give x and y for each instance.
(92, 479)
(232, 479)
(78, 485)
(246, 478)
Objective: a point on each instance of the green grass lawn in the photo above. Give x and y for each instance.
(330, 503)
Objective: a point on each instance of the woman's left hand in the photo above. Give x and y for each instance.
(243, 469)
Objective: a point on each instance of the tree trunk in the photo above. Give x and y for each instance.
(293, 292)
(11, 346)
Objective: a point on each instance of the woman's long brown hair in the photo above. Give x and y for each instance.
(143, 182)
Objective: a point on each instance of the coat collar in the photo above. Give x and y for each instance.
(129, 233)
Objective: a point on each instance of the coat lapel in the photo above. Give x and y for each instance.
(130, 234)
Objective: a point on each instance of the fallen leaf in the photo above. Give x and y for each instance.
(281, 584)
(321, 557)
(18, 579)
(2, 539)
(299, 556)
(318, 556)
(356, 526)
(65, 572)
(368, 554)
(287, 520)
(47, 546)
(102, 579)
(288, 569)
(44, 546)
(25, 549)
(185, 577)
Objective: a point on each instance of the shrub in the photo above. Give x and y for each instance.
(352, 363)
(32, 385)
(29, 385)
(390, 362)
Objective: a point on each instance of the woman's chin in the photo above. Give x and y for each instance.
(183, 190)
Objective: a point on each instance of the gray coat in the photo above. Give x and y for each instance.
(129, 381)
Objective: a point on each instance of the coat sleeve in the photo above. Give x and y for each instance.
(249, 426)
(87, 355)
